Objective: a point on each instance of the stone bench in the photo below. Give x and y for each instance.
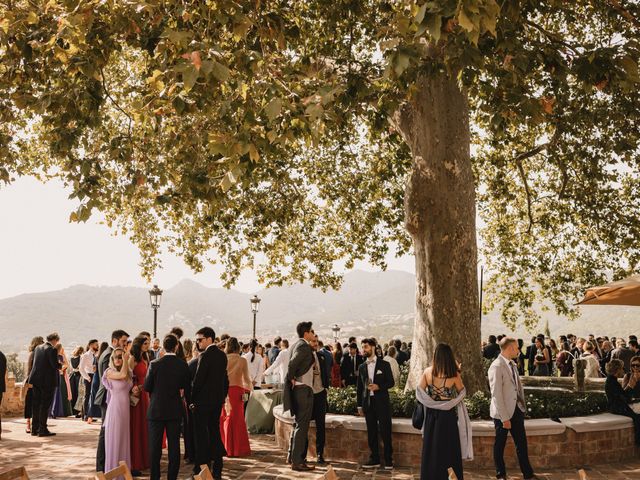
(572, 442)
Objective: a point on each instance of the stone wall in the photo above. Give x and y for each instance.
(569, 448)
(12, 403)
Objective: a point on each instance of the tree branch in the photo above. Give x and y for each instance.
(617, 6)
(552, 36)
(118, 107)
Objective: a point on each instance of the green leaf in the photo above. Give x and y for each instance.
(465, 22)
(189, 77)
(220, 72)
(401, 63)
(273, 108)
(420, 15)
(434, 25)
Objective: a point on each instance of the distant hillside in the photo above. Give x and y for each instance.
(379, 304)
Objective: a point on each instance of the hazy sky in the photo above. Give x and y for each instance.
(41, 251)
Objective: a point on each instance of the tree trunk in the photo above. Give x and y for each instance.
(440, 216)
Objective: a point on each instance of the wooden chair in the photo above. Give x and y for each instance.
(331, 474)
(452, 474)
(583, 474)
(123, 470)
(19, 473)
(205, 473)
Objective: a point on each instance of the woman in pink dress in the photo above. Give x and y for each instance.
(233, 428)
(139, 363)
(117, 381)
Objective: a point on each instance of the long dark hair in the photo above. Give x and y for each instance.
(232, 345)
(254, 344)
(136, 349)
(444, 363)
(103, 347)
(337, 352)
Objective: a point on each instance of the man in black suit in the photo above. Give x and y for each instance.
(298, 395)
(3, 382)
(189, 436)
(208, 393)
(531, 355)
(374, 381)
(492, 349)
(402, 357)
(119, 339)
(44, 377)
(320, 385)
(350, 365)
(166, 378)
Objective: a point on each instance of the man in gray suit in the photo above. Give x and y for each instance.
(507, 408)
(298, 395)
(118, 340)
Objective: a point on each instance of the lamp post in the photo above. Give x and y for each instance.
(255, 305)
(155, 295)
(336, 332)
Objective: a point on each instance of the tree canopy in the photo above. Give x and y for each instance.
(262, 134)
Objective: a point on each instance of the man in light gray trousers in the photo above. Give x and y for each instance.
(298, 395)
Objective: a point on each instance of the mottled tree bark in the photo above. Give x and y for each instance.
(440, 216)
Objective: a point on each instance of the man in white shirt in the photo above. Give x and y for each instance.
(281, 363)
(87, 368)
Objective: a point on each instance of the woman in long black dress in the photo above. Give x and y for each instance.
(28, 399)
(74, 377)
(441, 442)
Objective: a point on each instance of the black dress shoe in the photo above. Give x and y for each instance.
(321, 460)
(136, 473)
(34, 433)
(46, 434)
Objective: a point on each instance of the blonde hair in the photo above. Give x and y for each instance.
(112, 362)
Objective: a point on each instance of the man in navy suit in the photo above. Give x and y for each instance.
(166, 379)
(44, 377)
(374, 381)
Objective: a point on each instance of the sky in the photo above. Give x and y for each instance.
(40, 250)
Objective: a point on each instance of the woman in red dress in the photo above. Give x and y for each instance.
(233, 428)
(336, 379)
(139, 363)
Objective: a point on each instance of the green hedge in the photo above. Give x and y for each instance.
(540, 403)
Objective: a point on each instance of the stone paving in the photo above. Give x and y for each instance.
(71, 455)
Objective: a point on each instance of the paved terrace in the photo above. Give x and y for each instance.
(71, 455)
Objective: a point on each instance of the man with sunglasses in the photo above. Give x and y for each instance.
(208, 393)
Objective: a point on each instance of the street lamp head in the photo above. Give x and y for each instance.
(255, 304)
(155, 295)
(335, 328)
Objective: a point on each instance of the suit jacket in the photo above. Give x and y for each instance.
(300, 361)
(193, 367)
(3, 372)
(45, 370)
(325, 372)
(165, 378)
(402, 357)
(211, 382)
(504, 390)
(383, 377)
(347, 372)
(103, 364)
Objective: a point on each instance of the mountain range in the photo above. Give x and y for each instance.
(369, 303)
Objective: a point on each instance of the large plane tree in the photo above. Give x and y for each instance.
(297, 137)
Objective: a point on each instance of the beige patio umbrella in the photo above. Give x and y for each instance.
(621, 292)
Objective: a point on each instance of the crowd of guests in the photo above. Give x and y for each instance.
(547, 357)
(150, 394)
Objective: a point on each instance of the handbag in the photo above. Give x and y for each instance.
(133, 400)
(417, 418)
